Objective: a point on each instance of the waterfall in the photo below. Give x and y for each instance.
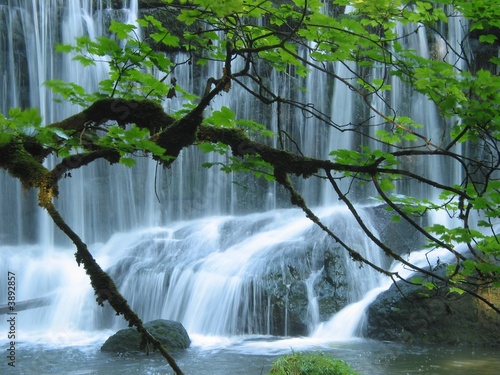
(216, 275)
(28, 60)
(184, 243)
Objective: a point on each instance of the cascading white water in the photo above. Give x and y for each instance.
(312, 305)
(214, 274)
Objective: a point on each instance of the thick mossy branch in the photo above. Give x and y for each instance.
(242, 145)
(174, 135)
(282, 160)
(178, 135)
(168, 133)
(144, 113)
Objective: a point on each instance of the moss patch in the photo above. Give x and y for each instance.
(22, 165)
(310, 364)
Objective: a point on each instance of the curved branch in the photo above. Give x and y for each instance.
(412, 222)
(241, 145)
(79, 160)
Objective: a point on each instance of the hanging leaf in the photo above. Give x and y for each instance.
(171, 93)
(128, 162)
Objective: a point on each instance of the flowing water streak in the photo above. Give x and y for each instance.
(216, 274)
(312, 306)
(26, 63)
(215, 289)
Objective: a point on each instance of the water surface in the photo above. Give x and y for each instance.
(248, 355)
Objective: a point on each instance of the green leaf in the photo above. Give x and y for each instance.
(128, 162)
(417, 280)
(208, 165)
(222, 118)
(84, 60)
(396, 218)
(429, 285)
(206, 147)
(387, 136)
(454, 289)
(121, 30)
(410, 137)
(5, 138)
(64, 48)
(166, 39)
(380, 84)
(189, 16)
(269, 177)
(488, 38)
(386, 184)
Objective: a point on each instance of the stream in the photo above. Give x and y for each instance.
(248, 355)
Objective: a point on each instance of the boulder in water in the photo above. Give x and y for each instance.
(170, 333)
(405, 314)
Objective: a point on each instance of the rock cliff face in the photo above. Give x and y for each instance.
(288, 291)
(403, 314)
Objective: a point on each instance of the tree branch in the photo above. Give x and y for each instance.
(104, 287)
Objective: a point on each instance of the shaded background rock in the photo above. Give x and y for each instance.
(404, 314)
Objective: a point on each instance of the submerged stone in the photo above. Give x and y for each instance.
(170, 333)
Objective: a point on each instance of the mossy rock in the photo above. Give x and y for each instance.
(310, 364)
(171, 334)
(414, 315)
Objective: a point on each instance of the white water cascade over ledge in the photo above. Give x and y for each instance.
(201, 255)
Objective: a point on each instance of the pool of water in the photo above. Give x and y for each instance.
(251, 355)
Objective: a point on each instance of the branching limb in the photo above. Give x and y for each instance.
(395, 256)
(22, 165)
(298, 200)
